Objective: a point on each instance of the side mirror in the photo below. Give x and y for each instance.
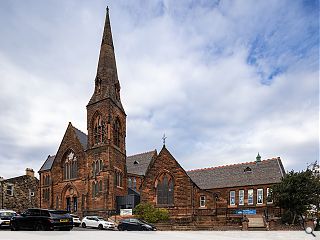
(23, 214)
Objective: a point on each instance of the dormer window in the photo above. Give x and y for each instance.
(99, 130)
(135, 162)
(247, 169)
(98, 84)
(116, 133)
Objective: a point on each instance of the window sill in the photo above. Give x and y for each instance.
(71, 179)
(165, 205)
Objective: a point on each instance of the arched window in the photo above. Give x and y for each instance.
(70, 167)
(100, 186)
(116, 132)
(100, 165)
(118, 179)
(165, 190)
(99, 130)
(97, 167)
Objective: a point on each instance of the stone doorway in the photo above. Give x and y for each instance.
(70, 199)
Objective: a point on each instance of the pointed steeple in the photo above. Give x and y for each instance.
(106, 82)
(107, 35)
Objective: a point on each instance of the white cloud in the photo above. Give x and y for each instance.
(190, 69)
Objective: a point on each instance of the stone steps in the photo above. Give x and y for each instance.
(256, 223)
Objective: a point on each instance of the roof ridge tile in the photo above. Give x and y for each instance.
(229, 165)
(141, 153)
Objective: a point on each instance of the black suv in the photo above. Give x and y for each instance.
(133, 224)
(42, 220)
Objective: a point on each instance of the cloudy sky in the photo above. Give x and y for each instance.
(223, 79)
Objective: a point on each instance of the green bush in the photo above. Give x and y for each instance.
(149, 213)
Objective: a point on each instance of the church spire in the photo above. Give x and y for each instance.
(106, 82)
(107, 35)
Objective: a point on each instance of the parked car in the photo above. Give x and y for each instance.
(76, 220)
(5, 217)
(42, 219)
(97, 222)
(134, 224)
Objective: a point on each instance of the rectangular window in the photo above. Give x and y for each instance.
(259, 196)
(202, 201)
(241, 197)
(10, 190)
(250, 196)
(232, 198)
(269, 197)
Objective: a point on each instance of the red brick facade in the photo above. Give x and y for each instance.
(89, 172)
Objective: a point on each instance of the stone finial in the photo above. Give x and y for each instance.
(258, 158)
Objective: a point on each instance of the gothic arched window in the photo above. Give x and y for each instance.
(116, 134)
(70, 166)
(99, 130)
(165, 190)
(97, 167)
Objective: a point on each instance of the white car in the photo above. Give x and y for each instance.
(76, 220)
(97, 222)
(5, 216)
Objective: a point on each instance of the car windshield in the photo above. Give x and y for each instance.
(140, 220)
(59, 214)
(7, 214)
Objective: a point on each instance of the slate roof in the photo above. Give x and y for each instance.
(83, 138)
(265, 172)
(139, 163)
(48, 163)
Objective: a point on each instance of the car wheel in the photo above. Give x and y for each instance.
(120, 228)
(83, 225)
(14, 227)
(39, 227)
(100, 227)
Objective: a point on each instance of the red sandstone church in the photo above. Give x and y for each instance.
(91, 174)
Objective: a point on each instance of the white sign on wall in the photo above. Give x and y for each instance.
(125, 212)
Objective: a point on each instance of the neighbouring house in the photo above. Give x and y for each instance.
(19, 193)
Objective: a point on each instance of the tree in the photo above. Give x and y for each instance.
(297, 193)
(150, 214)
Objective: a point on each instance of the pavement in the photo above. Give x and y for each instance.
(85, 234)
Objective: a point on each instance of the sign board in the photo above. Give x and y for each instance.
(246, 211)
(125, 212)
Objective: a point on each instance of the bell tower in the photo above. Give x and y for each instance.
(106, 125)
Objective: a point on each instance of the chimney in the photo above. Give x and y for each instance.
(29, 172)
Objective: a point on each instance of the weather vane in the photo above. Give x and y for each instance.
(164, 139)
